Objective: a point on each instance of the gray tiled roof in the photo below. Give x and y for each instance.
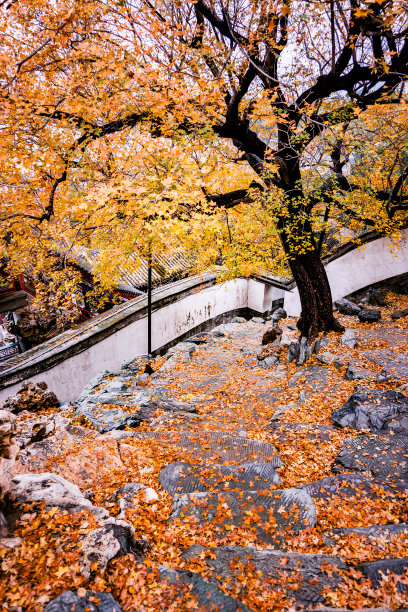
(133, 275)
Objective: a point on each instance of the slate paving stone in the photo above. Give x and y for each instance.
(397, 369)
(357, 370)
(185, 422)
(394, 365)
(204, 337)
(305, 571)
(217, 446)
(315, 378)
(376, 569)
(328, 609)
(184, 477)
(288, 510)
(92, 602)
(373, 533)
(345, 486)
(209, 596)
(373, 409)
(393, 337)
(385, 456)
(287, 432)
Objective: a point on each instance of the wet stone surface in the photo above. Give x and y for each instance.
(268, 464)
(384, 456)
(186, 478)
(288, 509)
(304, 570)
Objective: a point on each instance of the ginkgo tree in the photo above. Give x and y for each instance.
(110, 112)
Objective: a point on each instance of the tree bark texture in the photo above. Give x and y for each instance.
(315, 295)
(313, 285)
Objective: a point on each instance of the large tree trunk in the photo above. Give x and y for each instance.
(315, 295)
(306, 266)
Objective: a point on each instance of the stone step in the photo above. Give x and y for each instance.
(267, 515)
(372, 533)
(287, 433)
(375, 570)
(181, 477)
(348, 486)
(384, 455)
(69, 600)
(208, 596)
(299, 576)
(214, 446)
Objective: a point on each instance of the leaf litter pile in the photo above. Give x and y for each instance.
(251, 500)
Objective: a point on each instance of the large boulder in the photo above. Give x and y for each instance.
(89, 602)
(8, 452)
(138, 368)
(33, 427)
(105, 388)
(299, 576)
(376, 297)
(78, 454)
(205, 337)
(113, 539)
(178, 354)
(32, 397)
(53, 490)
(36, 325)
(302, 350)
(346, 307)
(277, 315)
(373, 409)
(100, 401)
(106, 419)
(369, 315)
(126, 495)
(348, 338)
(271, 335)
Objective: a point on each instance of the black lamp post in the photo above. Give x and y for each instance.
(149, 301)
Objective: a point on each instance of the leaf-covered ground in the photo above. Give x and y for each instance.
(234, 395)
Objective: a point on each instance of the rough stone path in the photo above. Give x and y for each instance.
(243, 487)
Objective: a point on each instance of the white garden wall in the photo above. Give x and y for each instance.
(69, 361)
(371, 263)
